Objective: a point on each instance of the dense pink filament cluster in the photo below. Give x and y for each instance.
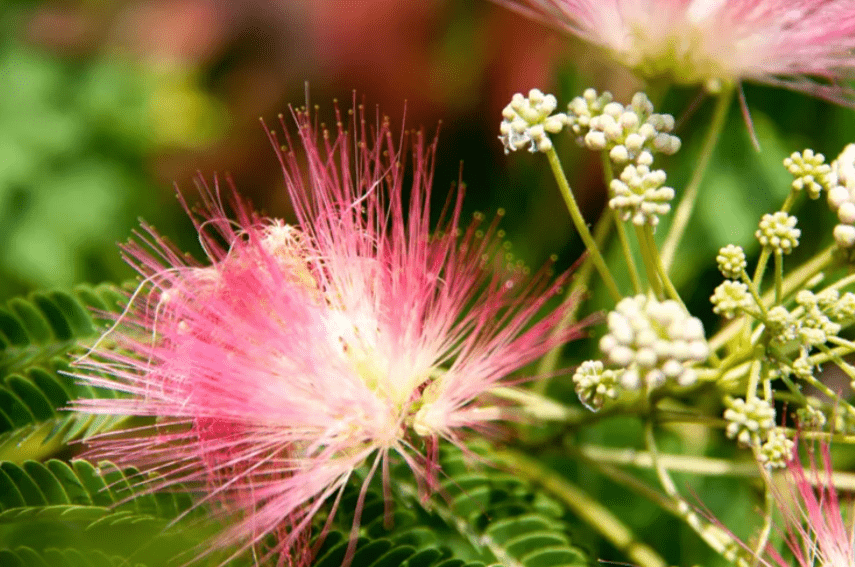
(781, 42)
(300, 353)
(818, 534)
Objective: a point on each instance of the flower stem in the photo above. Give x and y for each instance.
(627, 253)
(687, 203)
(683, 463)
(608, 172)
(842, 342)
(790, 201)
(844, 366)
(755, 293)
(795, 280)
(843, 282)
(549, 362)
(581, 225)
(706, 531)
(649, 262)
(660, 267)
(586, 508)
(763, 538)
(694, 464)
(753, 379)
(779, 277)
(537, 407)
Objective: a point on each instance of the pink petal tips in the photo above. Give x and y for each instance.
(301, 352)
(806, 45)
(817, 533)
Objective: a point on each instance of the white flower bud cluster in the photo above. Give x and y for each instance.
(838, 307)
(529, 120)
(811, 418)
(827, 298)
(631, 135)
(782, 325)
(594, 384)
(841, 196)
(777, 451)
(802, 367)
(628, 132)
(817, 318)
(582, 109)
(778, 231)
(640, 195)
(749, 422)
(729, 298)
(815, 326)
(652, 342)
(810, 171)
(731, 261)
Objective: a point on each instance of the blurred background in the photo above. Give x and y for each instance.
(108, 106)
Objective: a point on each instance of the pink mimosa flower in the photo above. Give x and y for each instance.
(301, 353)
(817, 531)
(817, 534)
(791, 43)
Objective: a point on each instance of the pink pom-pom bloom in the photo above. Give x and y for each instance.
(817, 534)
(304, 352)
(780, 42)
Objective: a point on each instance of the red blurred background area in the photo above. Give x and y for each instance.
(458, 62)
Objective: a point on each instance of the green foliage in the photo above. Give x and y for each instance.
(90, 514)
(479, 516)
(73, 175)
(28, 557)
(37, 335)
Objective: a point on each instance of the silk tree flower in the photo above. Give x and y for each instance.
(817, 533)
(816, 530)
(804, 45)
(301, 353)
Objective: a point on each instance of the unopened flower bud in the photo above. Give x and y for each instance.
(529, 121)
(778, 231)
(731, 261)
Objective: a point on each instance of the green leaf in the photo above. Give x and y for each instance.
(62, 558)
(10, 494)
(14, 409)
(71, 483)
(12, 329)
(371, 552)
(94, 484)
(49, 323)
(554, 556)
(73, 313)
(47, 482)
(54, 316)
(424, 558)
(38, 333)
(31, 396)
(33, 496)
(51, 385)
(28, 557)
(31, 319)
(396, 556)
(83, 508)
(483, 517)
(9, 559)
